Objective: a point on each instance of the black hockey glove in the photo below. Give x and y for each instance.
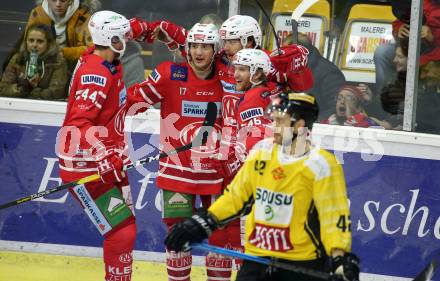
(345, 268)
(193, 229)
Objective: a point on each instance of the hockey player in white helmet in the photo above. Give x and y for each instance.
(205, 37)
(96, 110)
(240, 32)
(184, 90)
(251, 69)
(110, 30)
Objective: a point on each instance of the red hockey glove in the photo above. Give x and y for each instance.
(292, 58)
(226, 165)
(110, 168)
(300, 81)
(143, 30)
(171, 34)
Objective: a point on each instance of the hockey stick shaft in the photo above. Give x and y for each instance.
(297, 14)
(274, 263)
(200, 139)
(277, 39)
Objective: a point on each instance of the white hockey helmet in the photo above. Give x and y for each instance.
(104, 26)
(255, 59)
(203, 34)
(241, 27)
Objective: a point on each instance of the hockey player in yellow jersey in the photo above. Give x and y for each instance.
(295, 197)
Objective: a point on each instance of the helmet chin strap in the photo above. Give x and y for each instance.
(251, 78)
(120, 52)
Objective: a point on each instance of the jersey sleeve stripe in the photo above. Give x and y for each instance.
(312, 228)
(147, 99)
(159, 96)
(318, 165)
(104, 96)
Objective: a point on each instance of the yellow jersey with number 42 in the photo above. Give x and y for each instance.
(298, 207)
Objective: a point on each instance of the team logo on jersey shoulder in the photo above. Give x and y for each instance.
(251, 113)
(155, 76)
(179, 73)
(93, 79)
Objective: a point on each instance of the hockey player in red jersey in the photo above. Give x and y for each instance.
(184, 91)
(92, 141)
(238, 32)
(252, 66)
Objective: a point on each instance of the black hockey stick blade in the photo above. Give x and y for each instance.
(428, 272)
(207, 126)
(200, 139)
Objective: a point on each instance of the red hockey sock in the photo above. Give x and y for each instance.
(218, 267)
(118, 248)
(179, 265)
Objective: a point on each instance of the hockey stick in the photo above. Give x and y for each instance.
(297, 14)
(274, 263)
(277, 39)
(200, 139)
(425, 275)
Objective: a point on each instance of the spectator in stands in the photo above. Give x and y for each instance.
(430, 36)
(38, 70)
(212, 18)
(68, 21)
(393, 95)
(349, 109)
(428, 98)
(133, 64)
(328, 79)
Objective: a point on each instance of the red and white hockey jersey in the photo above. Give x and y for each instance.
(184, 99)
(94, 120)
(231, 97)
(253, 126)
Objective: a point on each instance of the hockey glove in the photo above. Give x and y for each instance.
(110, 168)
(191, 230)
(292, 58)
(227, 166)
(345, 268)
(171, 34)
(142, 30)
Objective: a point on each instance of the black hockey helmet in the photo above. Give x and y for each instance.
(298, 106)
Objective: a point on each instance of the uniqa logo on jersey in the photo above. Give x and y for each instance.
(188, 133)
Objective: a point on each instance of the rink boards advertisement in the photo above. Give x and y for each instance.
(394, 199)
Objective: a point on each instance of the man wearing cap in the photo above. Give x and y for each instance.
(349, 109)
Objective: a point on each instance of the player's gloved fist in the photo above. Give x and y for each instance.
(191, 230)
(171, 34)
(143, 30)
(345, 268)
(292, 58)
(226, 165)
(110, 168)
